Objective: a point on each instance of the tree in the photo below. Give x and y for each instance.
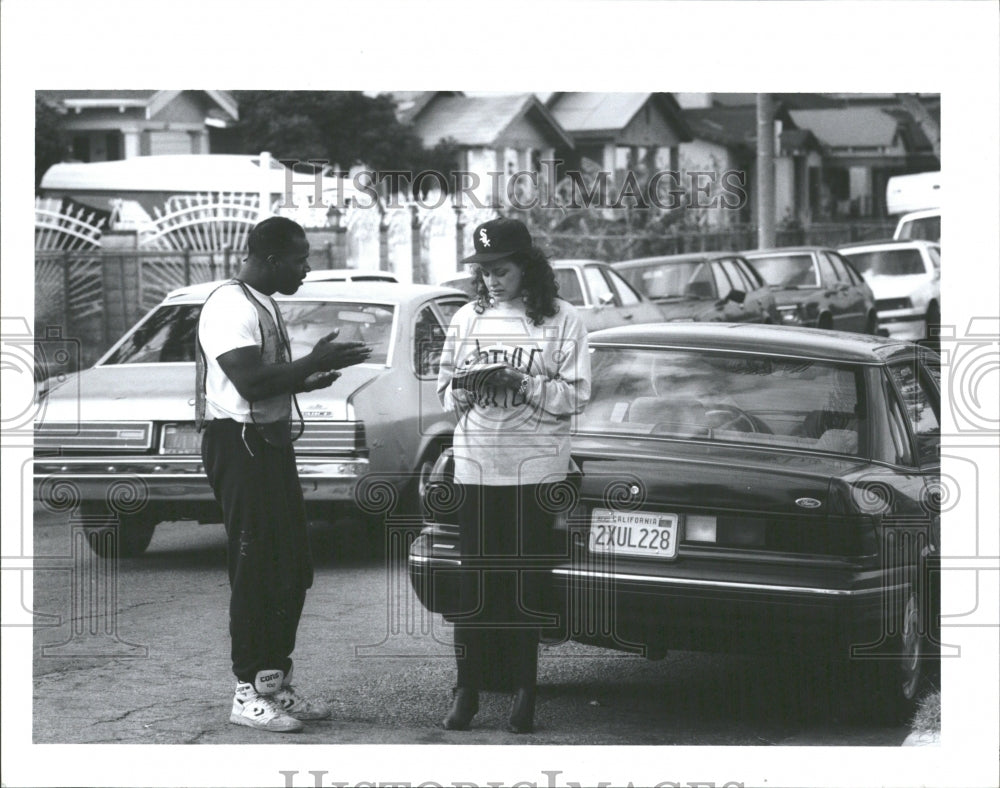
(344, 128)
(50, 140)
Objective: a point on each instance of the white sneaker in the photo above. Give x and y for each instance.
(254, 710)
(297, 706)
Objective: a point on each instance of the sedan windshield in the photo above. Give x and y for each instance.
(888, 262)
(169, 333)
(676, 280)
(744, 398)
(787, 270)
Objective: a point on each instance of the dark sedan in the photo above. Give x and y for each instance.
(817, 288)
(719, 287)
(742, 489)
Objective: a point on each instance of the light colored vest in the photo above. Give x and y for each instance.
(272, 416)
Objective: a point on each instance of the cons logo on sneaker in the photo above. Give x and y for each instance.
(269, 681)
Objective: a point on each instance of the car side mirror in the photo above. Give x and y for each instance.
(606, 300)
(734, 295)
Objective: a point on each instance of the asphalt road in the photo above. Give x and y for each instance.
(155, 670)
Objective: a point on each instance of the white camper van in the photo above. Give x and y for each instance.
(145, 183)
(918, 198)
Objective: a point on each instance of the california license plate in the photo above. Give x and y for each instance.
(633, 533)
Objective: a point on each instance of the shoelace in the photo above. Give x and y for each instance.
(296, 698)
(271, 704)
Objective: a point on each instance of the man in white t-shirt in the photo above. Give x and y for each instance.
(246, 383)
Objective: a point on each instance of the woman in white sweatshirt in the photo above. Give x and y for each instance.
(516, 368)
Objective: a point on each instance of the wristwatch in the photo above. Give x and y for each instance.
(523, 388)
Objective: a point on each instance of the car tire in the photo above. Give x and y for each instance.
(424, 468)
(127, 538)
(891, 685)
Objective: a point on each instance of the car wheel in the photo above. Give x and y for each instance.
(128, 538)
(898, 677)
(423, 473)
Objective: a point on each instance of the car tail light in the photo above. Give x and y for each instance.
(819, 536)
(888, 304)
(700, 528)
(180, 439)
(790, 315)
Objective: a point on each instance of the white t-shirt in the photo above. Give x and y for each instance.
(503, 438)
(228, 321)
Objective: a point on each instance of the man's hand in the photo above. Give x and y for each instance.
(330, 355)
(319, 380)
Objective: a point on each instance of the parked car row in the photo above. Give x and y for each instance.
(890, 287)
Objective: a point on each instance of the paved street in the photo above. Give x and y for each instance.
(158, 672)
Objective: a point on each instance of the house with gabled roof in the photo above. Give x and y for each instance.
(619, 131)
(109, 125)
(725, 140)
(864, 146)
(503, 134)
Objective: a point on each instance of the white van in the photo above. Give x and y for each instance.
(918, 192)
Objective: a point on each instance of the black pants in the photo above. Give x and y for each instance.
(505, 541)
(270, 568)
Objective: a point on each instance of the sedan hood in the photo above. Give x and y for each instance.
(165, 392)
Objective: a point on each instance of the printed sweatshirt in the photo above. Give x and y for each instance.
(503, 437)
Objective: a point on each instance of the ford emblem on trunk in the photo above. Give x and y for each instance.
(807, 503)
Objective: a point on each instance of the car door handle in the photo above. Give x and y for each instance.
(628, 316)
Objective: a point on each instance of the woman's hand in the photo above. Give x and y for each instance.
(508, 378)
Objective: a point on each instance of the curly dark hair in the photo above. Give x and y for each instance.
(538, 286)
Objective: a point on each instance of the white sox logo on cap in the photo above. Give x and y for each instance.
(483, 238)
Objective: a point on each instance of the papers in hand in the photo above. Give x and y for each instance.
(475, 377)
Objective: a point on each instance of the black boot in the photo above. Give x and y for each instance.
(464, 705)
(522, 712)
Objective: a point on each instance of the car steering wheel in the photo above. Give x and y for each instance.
(736, 416)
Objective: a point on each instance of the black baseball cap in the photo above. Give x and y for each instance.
(498, 239)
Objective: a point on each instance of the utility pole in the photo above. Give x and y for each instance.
(765, 171)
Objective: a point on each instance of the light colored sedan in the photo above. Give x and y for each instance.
(905, 277)
(599, 293)
(119, 438)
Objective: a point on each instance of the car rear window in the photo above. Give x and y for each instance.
(927, 228)
(730, 397)
(169, 333)
(887, 262)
